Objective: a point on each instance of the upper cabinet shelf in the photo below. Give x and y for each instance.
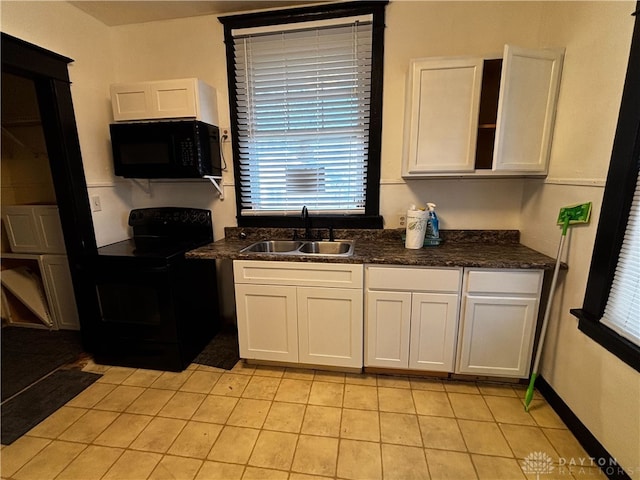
(163, 99)
(481, 117)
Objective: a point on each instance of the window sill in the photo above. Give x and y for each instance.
(317, 221)
(619, 346)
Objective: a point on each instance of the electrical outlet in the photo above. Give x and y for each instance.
(95, 203)
(402, 219)
(225, 135)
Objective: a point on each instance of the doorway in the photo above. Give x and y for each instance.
(36, 282)
(46, 73)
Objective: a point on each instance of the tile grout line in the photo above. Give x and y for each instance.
(260, 429)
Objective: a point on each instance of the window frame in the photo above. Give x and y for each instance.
(371, 217)
(616, 205)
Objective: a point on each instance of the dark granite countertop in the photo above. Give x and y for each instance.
(459, 248)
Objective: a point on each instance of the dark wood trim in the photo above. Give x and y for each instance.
(302, 14)
(616, 205)
(26, 59)
(48, 71)
(609, 339)
(371, 218)
(372, 205)
(621, 180)
(317, 221)
(601, 457)
(233, 114)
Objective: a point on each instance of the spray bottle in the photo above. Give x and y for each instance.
(433, 224)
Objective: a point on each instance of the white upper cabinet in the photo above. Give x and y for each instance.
(163, 99)
(526, 109)
(481, 117)
(442, 115)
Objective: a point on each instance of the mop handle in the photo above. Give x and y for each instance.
(547, 312)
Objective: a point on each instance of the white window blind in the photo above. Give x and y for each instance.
(303, 98)
(622, 312)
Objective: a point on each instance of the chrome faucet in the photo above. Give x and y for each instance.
(307, 223)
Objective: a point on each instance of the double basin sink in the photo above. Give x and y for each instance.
(343, 248)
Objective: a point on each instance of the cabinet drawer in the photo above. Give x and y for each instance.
(298, 273)
(414, 279)
(504, 281)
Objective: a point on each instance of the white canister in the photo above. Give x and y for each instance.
(416, 228)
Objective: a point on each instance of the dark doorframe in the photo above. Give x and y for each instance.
(49, 73)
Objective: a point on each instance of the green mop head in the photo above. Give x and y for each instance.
(574, 214)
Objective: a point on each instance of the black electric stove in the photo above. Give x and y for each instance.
(158, 310)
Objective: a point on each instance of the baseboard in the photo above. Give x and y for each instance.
(592, 446)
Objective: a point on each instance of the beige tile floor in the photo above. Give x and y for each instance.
(282, 423)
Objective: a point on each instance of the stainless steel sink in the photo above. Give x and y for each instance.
(273, 246)
(327, 248)
(343, 248)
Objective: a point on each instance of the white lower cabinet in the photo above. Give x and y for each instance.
(473, 321)
(59, 289)
(500, 310)
(299, 312)
(39, 291)
(267, 322)
(412, 317)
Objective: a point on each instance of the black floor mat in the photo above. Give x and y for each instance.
(25, 411)
(222, 351)
(29, 354)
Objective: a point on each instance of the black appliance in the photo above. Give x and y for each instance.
(165, 149)
(158, 310)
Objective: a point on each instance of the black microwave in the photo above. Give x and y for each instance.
(165, 149)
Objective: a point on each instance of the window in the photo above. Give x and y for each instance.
(622, 313)
(610, 313)
(305, 100)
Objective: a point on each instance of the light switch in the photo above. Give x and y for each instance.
(95, 203)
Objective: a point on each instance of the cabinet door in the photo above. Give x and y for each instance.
(174, 98)
(49, 228)
(330, 325)
(59, 290)
(497, 335)
(21, 229)
(387, 329)
(434, 328)
(34, 229)
(131, 101)
(267, 322)
(441, 119)
(526, 109)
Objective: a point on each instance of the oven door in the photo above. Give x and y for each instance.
(137, 303)
(138, 315)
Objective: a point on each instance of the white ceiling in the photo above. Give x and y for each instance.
(118, 12)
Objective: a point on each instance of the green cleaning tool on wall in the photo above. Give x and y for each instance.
(568, 216)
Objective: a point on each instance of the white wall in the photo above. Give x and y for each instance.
(191, 47)
(600, 389)
(194, 47)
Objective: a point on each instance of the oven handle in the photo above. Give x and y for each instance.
(95, 268)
